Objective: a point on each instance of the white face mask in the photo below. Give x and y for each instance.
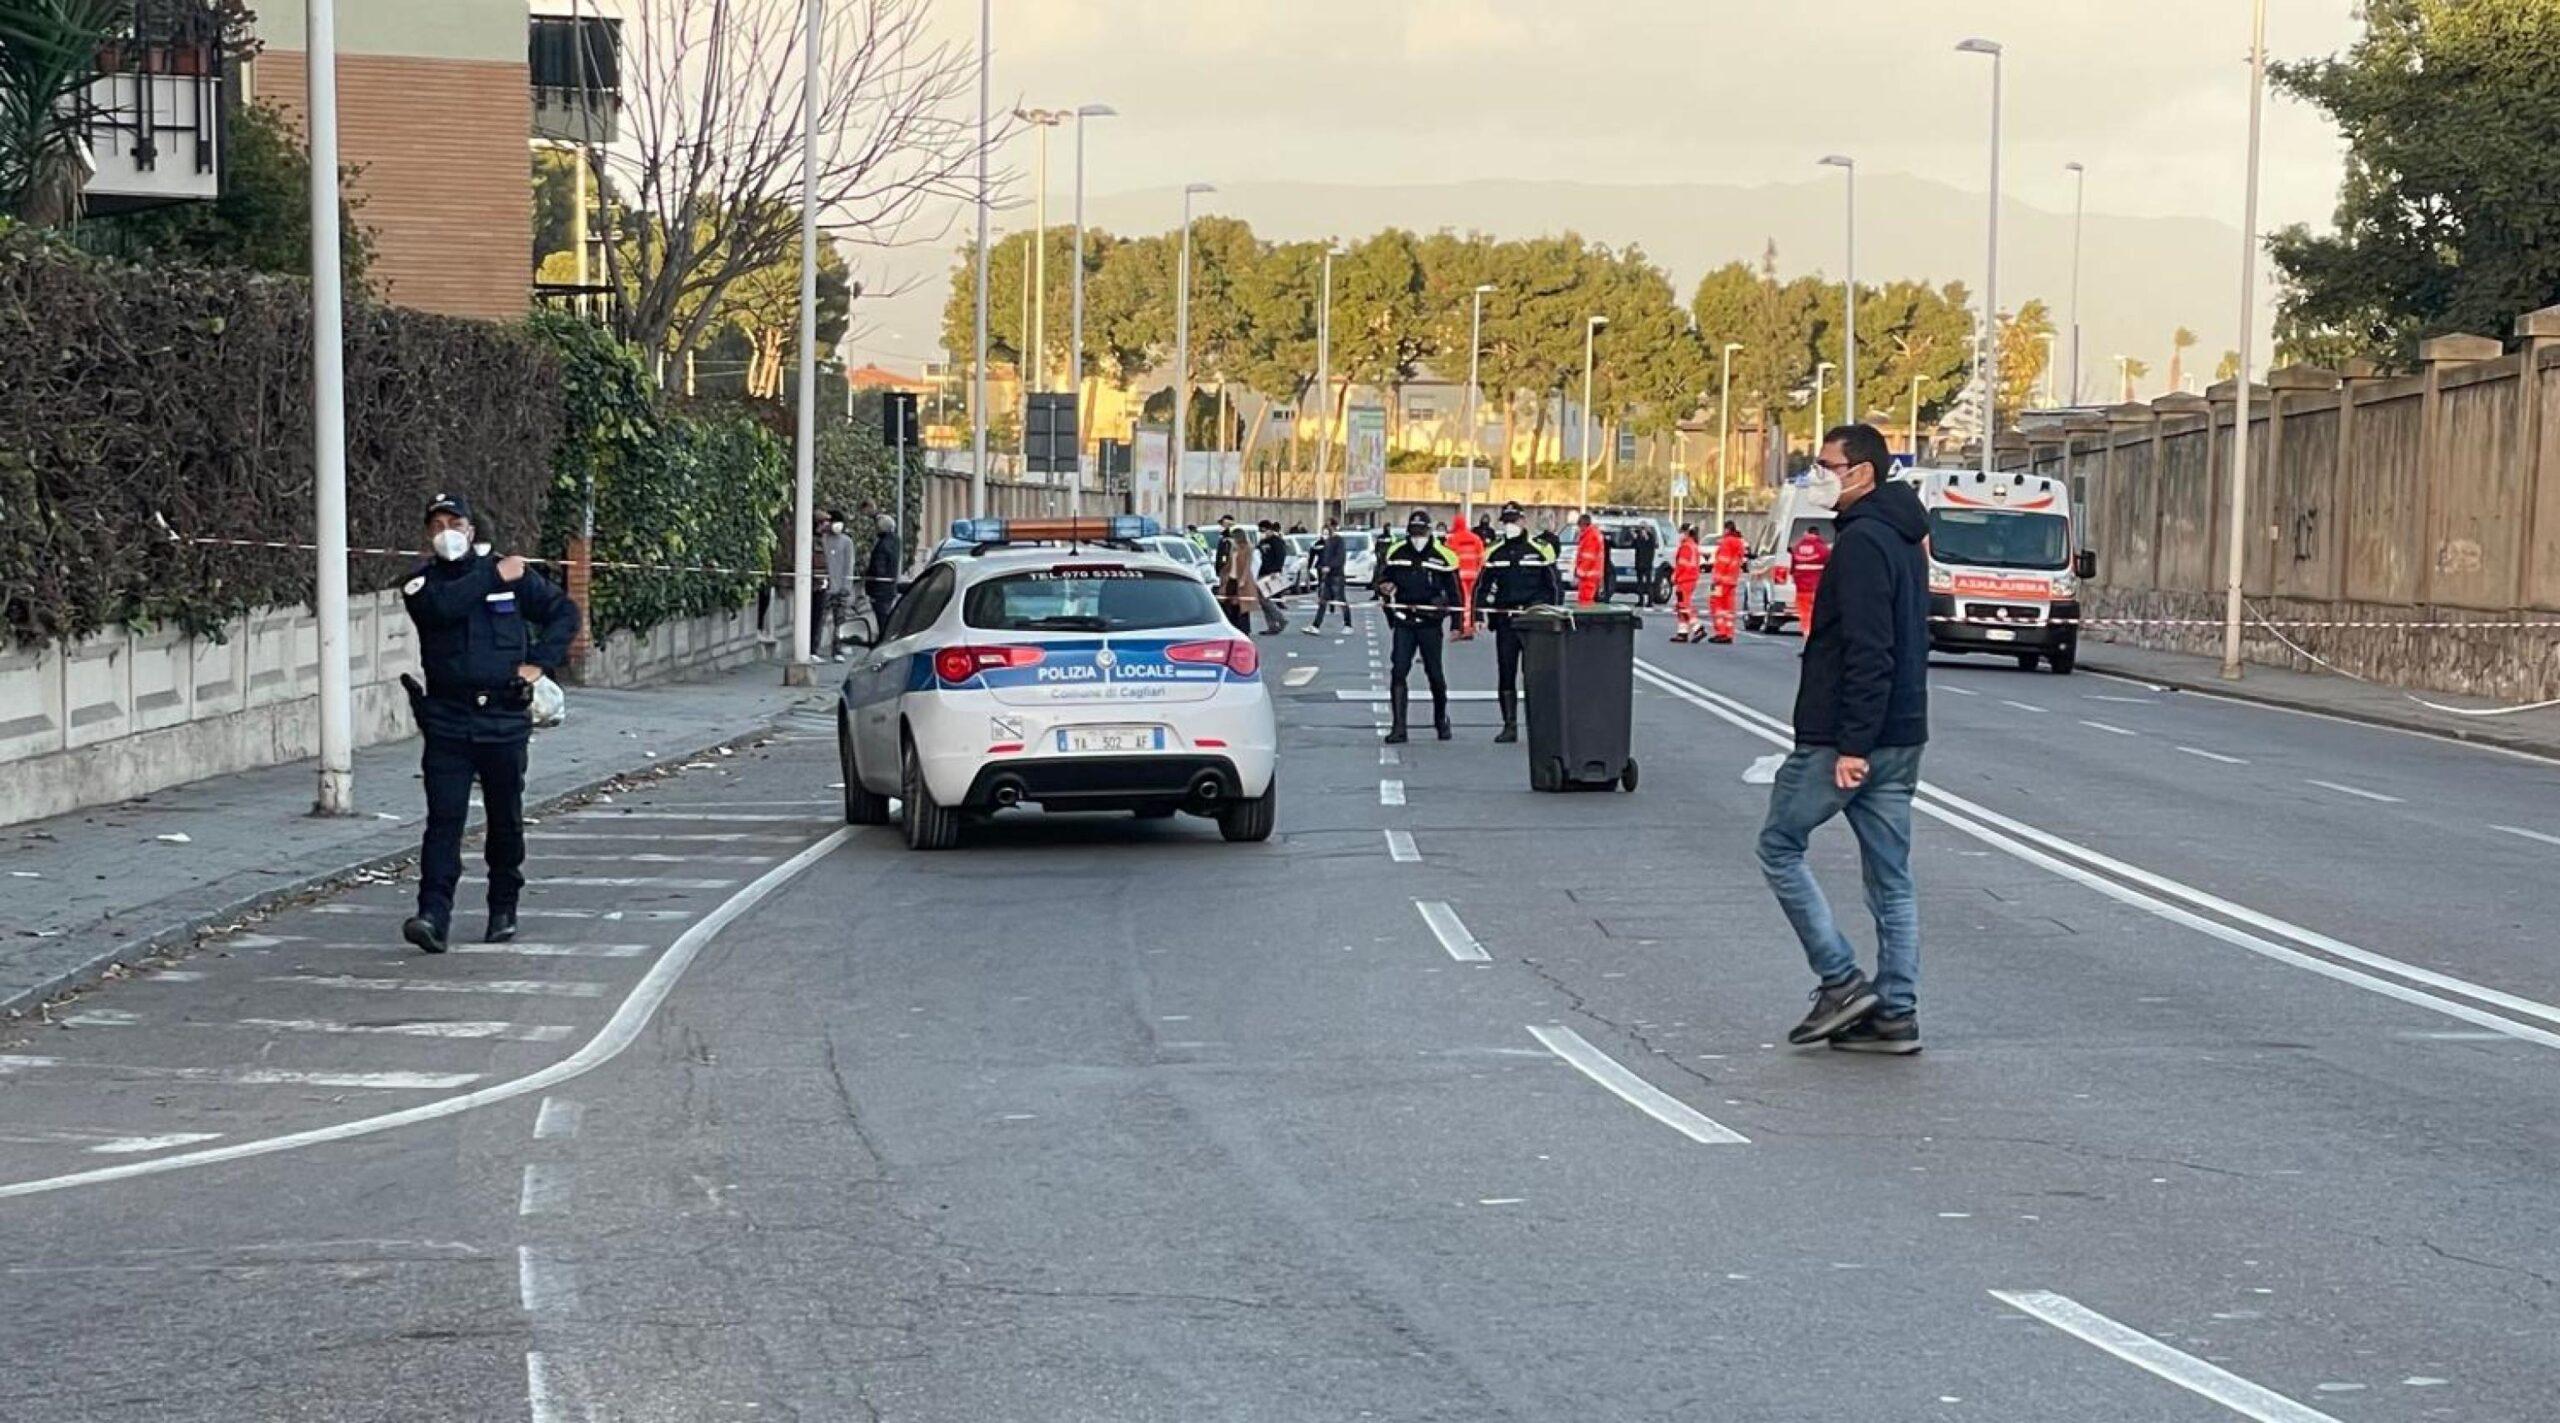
(451, 544)
(1822, 488)
(837, 527)
(1421, 541)
(1511, 531)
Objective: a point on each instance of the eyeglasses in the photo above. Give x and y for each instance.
(1841, 468)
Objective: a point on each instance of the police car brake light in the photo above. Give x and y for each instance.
(1235, 654)
(959, 664)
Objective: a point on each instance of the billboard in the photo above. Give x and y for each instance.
(1364, 468)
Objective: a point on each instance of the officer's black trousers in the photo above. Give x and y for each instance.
(1412, 639)
(1506, 669)
(450, 765)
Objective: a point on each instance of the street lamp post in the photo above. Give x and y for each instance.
(1991, 265)
(2045, 339)
(1182, 348)
(2124, 377)
(329, 419)
(804, 618)
(1324, 380)
(1813, 436)
(978, 368)
(1038, 370)
(1724, 427)
(1075, 321)
(1849, 301)
(1475, 358)
(2079, 189)
(1915, 420)
(2238, 523)
(1590, 340)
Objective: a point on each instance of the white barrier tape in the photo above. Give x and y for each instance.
(2306, 653)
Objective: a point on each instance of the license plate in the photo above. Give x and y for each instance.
(2001, 634)
(1110, 738)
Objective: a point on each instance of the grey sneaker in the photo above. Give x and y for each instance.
(1835, 1006)
(1899, 1037)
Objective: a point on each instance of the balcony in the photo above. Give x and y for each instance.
(576, 68)
(151, 122)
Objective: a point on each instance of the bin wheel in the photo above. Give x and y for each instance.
(1548, 775)
(1627, 776)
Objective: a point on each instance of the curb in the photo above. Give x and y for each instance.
(2242, 692)
(190, 918)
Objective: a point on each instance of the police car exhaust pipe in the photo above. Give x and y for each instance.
(1008, 794)
(1206, 788)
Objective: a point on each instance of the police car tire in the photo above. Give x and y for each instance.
(928, 826)
(1250, 822)
(861, 806)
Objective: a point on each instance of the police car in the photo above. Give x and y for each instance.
(1056, 663)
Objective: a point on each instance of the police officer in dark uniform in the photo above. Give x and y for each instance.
(1418, 585)
(1519, 572)
(487, 628)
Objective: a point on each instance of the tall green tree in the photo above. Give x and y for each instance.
(2449, 215)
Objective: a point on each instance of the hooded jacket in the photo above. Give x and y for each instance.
(1865, 682)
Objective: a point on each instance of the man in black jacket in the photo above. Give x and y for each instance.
(1518, 573)
(1329, 557)
(1861, 718)
(1417, 587)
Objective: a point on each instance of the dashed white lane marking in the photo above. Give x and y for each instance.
(541, 1399)
(558, 1120)
(545, 1283)
(501, 1032)
(1451, 931)
(1400, 847)
(545, 1190)
(618, 1033)
(1390, 792)
(2357, 791)
(136, 1145)
(1591, 1062)
(617, 882)
(2110, 730)
(1958, 691)
(536, 988)
(2127, 701)
(715, 837)
(248, 1076)
(99, 1018)
(2150, 1355)
(525, 947)
(1299, 676)
(2022, 706)
(2214, 756)
(606, 916)
(717, 816)
(1387, 756)
(2528, 834)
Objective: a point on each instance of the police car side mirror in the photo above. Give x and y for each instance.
(2086, 564)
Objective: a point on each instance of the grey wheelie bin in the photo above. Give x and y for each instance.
(1579, 664)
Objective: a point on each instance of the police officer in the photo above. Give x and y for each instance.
(1519, 572)
(1417, 585)
(487, 628)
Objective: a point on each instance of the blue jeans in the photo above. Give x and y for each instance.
(1879, 814)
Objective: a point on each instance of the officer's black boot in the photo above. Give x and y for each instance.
(1395, 729)
(1510, 731)
(424, 932)
(1440, 715)
(502, 926)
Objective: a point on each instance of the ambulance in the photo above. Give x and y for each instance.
(2005, 565)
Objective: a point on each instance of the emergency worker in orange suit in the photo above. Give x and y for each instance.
(1805, 563)
(1685, 563)
(1591, 564)
(1469, 547)
(1726, 576)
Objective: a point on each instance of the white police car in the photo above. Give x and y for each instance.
(1055, 662)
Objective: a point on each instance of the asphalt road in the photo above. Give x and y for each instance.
(1453, 1102)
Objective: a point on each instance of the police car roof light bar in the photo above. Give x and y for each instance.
(984, 534)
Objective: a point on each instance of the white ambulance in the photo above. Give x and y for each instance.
(2005, 564)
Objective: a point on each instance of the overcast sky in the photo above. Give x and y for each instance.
(2152, 96)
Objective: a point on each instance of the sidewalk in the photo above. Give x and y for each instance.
(2330, 694)
(82, 891)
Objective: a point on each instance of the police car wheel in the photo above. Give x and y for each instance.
(861, 806)
(928, 826)
(1250, 821)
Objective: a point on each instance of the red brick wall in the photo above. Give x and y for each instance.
(443, 146)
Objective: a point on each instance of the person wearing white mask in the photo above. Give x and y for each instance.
(1417, 587)
(837, 546)
(488, 629)
(1519, 572)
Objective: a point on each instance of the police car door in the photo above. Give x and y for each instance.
(880, 681)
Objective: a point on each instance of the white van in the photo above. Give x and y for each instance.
(1768, 590)
(2005, 565)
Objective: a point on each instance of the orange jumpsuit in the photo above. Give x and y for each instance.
(1463, 542)
(1684, 587)
(1730, 555)
(1805, 563)
(1591, 566)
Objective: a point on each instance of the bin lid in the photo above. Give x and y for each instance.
(1558, 618)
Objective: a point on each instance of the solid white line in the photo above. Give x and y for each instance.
(545, 1283)
(2214, 756)
(2128, 701)
(2110, 730)
(1591, 1062)
(2357, 791)
(730, 816)
(536, 988)
(715, 837)
(2022, 706)
(1400, 847)
(2150, 1355)
(504, 1032)
(1346, 694)
(558, 1120)
(2246, 704)
(618, 1033)
(1390, 792)
(617, 882)
(651, 859)
(1451, 932)
(609, 807)
(2528, 834)
(252, 1076)
(610, 916)
(134, 1145)
(545, 1190)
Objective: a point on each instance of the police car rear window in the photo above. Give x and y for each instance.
(1091, 599)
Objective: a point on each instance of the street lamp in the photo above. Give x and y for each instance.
(2124, 377)
(1324, 378)
(1043, 120)
(337, 793)
(1849, 359)
(1475, 358)
(978, 369)
(1182, 347)
(1813, 436)
(804, 654)
(2045, 339)
(2238, 555)
(1991, 264)
(2079, 189)
(1075, 322)
(1724, 426)
(1915, 420)
(1590, 338)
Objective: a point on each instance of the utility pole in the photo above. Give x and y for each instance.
(1991, 267)
(1324, 380)
(1075, 322)
(2079, 190)
(797, 668)
(1182, 349)
(329, 418)
(1475, 361)
(1849, 296)
(978, 370)
(1724, 428)
(1590, 340)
